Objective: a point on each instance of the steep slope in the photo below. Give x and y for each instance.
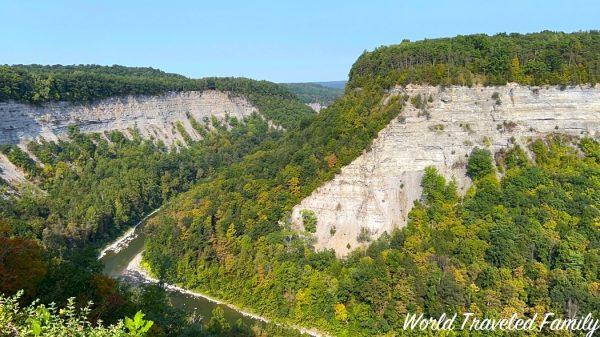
(9, 173)
(43, 102)
(376, 191)
(512, 244)
(156, 117)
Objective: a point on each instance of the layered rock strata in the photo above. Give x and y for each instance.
(155, 117)
(377, 190)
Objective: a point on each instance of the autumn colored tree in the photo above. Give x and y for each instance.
(22, 265)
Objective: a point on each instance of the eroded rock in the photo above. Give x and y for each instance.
(154, 116)
(377, 190)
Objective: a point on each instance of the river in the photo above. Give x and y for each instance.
(118, 257)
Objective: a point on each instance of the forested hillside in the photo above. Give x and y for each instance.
(530, 59)
(84, 84)
(521, 243)
(314, 92)
(525, 243)
(91, 187)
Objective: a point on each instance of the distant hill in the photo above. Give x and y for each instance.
(323, 93)
(333, 84)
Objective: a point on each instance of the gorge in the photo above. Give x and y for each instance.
(453, 175)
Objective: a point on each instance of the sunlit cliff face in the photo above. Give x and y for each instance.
(375, 192)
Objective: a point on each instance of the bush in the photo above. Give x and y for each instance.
(480, 163)
(364, 235)
(41, 320)
(309, 220)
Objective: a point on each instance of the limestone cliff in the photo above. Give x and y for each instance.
(377, 190)
(10, 174)
(154, 116)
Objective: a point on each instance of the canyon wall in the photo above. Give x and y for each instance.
(154, 116)
(377, 190)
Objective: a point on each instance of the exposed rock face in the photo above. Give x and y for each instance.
(154, 116)
(376, 191)
(317, 107)
(10, 173)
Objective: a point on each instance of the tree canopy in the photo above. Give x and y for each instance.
(525, 243)
(314, 92)
(84, 84)
(530, 59)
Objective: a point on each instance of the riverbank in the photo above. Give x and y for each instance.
(136, 272)
(124, 240)
(123, 259)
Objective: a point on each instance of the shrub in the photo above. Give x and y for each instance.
(364, 235)
(480, 163)
(309, 220)
(496, 96)
(48, 321)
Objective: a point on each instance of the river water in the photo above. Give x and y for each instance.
(131, 245)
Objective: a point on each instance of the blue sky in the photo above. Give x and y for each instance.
(282, 41)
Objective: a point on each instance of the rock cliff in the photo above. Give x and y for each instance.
(376, 191)
(154, 116)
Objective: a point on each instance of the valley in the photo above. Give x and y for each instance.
(449, 175)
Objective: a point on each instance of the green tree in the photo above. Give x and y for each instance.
(309, 220)
(480, 163)
(217, 325)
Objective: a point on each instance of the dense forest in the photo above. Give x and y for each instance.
(523, 239)
(89, 188)
(84, 84)
(314, 92)
(530, 59)
(525, 243)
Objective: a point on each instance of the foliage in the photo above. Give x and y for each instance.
(84, 83)
(314, 92)
(309, 220)
(530, 59)
(138, 326)
(49, 321)
(22, 265)
(480, 163)
(526, 243)
(96, 187)
(217, 325)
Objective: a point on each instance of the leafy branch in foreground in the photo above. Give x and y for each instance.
(41, 320)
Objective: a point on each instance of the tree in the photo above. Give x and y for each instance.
(309, 220)
(515, 70)
(21, 265)
(480, 163)
(341, 314)
(217, 325)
